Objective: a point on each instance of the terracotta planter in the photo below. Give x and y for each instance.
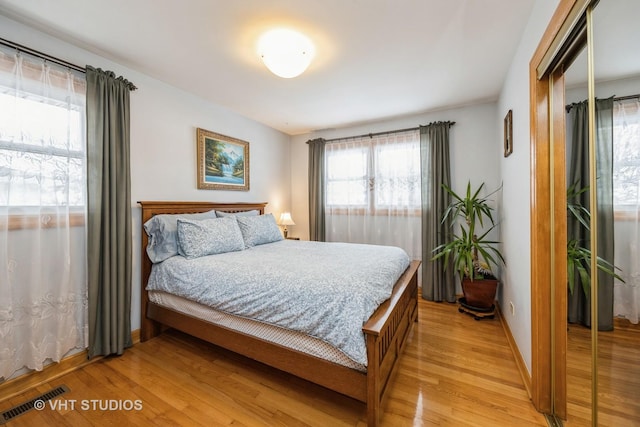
(480, 293)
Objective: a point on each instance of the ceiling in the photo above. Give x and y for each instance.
(375, 59)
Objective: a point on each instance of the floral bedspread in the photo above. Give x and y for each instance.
(326, 290)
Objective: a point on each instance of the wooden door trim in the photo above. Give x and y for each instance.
(547, 264)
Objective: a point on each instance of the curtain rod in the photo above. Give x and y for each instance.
(42, 55)
(371, 135)
(619, 98)
(624, 98)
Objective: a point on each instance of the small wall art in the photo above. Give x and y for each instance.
(508, 134)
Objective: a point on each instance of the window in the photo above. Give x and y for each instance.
(42, 135)
(42, 193)
(626, 155)
(397, 177)
(46, 171)
(348, 176)
(375, 173)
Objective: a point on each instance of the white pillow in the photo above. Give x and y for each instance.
(258, 230)
(208, 237)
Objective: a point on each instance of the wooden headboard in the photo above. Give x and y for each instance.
(149, 328)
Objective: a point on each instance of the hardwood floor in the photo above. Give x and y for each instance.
(455, 371)
(618, 376)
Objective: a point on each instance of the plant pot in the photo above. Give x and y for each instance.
(480, 293)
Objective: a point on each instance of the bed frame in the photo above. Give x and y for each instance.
(385, 331)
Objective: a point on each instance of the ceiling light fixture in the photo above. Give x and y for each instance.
(286, 53)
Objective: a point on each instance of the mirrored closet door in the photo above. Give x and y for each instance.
(616, 64)
(579, 372)
(586, 184)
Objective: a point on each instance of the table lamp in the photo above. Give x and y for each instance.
(285, 219)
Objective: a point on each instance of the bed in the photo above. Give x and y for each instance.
(385, 331)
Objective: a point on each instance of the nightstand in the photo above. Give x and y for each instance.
(292, 238)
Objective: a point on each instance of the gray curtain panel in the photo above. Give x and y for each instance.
(579, 310)
(438, 282)
(108, 213)
(317, 191)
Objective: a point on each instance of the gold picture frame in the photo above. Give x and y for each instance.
(508, 134)
(223, 162)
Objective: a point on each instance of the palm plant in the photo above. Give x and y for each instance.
(472, 255)
(579, 257)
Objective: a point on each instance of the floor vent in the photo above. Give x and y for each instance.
(38, 402)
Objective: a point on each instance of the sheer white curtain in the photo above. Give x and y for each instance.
(626, 199)
(373, 191)
(43, 292)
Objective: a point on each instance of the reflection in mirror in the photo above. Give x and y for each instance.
(579, 366)
(617, 76)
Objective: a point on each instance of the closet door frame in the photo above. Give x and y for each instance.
(558, 47)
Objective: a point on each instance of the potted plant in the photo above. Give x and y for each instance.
(578, 256)
(472, 255)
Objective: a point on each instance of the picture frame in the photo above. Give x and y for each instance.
(222, 162)
(508, 134)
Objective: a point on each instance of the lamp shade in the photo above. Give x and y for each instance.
(286, 53)
(285, 219)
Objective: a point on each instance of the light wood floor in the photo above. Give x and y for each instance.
(618, 376)
(455, 371)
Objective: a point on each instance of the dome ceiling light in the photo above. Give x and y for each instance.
(286, 53)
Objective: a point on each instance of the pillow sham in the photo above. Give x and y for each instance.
(258, 230)
(222, 214)
(163, 234)
(208, 237)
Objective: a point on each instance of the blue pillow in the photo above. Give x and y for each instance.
(163, 234)
(258, 230)
(208, 237)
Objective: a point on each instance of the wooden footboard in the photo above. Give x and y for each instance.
(386, 331)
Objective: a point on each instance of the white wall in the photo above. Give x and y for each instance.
(515, 172)
(163, 141)
(475, 143)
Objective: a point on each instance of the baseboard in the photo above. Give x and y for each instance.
(52, 371)
(135, 336)
(522, 367)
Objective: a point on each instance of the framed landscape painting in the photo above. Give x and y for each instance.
(223, 162)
